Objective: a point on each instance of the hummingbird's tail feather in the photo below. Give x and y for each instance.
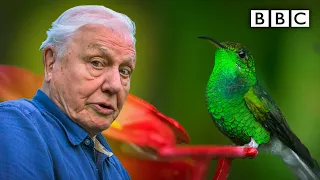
(294, 162)
(300, 168)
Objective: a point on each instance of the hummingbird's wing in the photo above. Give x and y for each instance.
(269, 115)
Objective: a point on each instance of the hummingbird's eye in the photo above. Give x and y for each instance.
(242, 54)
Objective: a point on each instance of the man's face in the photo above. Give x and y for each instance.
(91, 81)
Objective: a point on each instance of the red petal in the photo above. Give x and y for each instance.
(140, 123)
(141, 169)
(138, 108)
(153, 135)
(201, 170)
(17, 83)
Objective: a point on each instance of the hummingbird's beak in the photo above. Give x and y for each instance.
(216, 43)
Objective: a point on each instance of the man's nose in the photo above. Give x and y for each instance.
(112, 81)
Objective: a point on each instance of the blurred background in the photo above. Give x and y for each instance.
(173, 66)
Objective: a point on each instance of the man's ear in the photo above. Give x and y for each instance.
(49, 58)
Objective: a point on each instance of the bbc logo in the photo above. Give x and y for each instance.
(279, 18)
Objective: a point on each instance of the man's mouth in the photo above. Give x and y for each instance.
(103, 108)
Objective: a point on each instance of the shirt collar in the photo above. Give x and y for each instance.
(74, 132)
(101, 145)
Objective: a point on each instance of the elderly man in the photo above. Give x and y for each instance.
(88, 57)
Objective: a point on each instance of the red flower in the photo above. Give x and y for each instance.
(149, 144)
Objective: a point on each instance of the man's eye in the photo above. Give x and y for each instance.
(96, 63)
(125, 72)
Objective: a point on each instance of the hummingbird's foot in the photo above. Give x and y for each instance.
(252, 144)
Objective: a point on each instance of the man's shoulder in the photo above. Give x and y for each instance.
(17, 110)
(22, 146)
(23, 106)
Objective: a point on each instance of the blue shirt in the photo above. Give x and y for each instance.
(39, 141)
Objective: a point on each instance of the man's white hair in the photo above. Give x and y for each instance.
(68, 22)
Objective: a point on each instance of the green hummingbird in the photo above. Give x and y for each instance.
(244, 112)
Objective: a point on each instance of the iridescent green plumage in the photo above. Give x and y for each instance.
(230, 81)
(241, 108)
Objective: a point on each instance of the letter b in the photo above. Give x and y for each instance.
(259, 18)
(280, 18)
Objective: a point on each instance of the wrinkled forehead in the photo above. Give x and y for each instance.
(102, 35)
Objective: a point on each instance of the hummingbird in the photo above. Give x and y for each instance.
(243, 111)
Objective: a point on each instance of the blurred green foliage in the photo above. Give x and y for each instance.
(173, 65)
